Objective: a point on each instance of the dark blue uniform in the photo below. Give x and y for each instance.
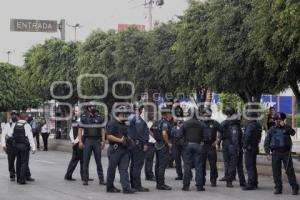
(177, 150)
(210, 133)
(192, 131)
(279, 142)
(118, 156)
(139, 132)
(92, 137)
(232, 136)
(252, 138)
(162, 151)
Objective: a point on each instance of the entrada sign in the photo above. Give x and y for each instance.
(27, 25)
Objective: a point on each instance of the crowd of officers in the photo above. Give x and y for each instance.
(191, 137)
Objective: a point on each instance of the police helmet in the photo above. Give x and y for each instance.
(138, 106)
(121, 109)
(165, 110)
(252, 114)
(279, 116)
(229, 111)
(178, 111)
(206, 112)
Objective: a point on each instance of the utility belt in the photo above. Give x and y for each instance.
(139, 144)
(208, 143)
(9, 141)
(282, 150)
(192, 143)
(151, 144)
(160, 145)
(179, 141)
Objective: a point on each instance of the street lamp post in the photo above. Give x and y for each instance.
(75, 27)
(8, 54)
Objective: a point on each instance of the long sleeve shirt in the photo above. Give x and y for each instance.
(7, 131)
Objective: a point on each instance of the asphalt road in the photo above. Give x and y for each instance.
(48, 169)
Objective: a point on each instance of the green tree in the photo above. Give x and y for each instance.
(51, 61)
(13, 93)
(216, 51)
(275, 32)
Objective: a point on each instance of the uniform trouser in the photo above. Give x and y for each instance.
(137, 157)
(36, 135)
(118, 158)
(225, 159)
(45, 137)
(11, 157)
(22, 163)
(149, 157)
(193, 153)
(177, 152)
(286, 159)
(161, 164)
(77, 156)
(250, 162)
(235, 163)
(210, 154)
(92, 145)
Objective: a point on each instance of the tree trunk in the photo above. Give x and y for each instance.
(294, 85)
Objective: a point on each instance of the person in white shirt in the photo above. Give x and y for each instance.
(7, 145)
(45, 132)
(23, 143)
(77, 155)
(150, 156)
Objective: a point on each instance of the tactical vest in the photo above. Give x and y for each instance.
(209, 132)
(280, 139)
(19, 133)
(157, 131)
(256, 135)
(235, 135)
(192, 134)
(92, 132)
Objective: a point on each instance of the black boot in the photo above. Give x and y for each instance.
(229, 184)
(113, 190)
(163, 187)
(249, 187)
(277, 191)
(295, 192)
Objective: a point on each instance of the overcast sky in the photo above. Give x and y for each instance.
(92, 14)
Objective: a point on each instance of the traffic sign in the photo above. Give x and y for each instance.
(28, 25)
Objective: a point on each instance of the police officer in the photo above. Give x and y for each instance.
(177, 141)
(278, 145)
(7, 145)
(139, 132)
(231, 136)
(77, 155)
(118, 152)
(23, 143)
(252, 138)
(161, 130)
(210, 137)
(192, 131)
(93, 140)
(149, 158)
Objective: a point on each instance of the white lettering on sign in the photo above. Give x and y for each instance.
(33, 25)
